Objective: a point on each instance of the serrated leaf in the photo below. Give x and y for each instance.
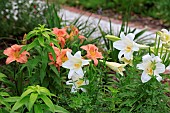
(33, 98)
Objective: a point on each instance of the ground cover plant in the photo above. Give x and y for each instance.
(58, 68)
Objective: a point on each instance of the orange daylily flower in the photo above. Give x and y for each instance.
(60, 32)
(14, 54)
(62, 35)
(92, 52)
(58, 61)
(63, 54)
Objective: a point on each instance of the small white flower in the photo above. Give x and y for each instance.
(126, 46)
(151, 66)
(165, 36)
(77, 81)
(75, 63)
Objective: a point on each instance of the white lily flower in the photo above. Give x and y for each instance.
(130, 62)
(77, 81)
(164, 35)
(119, 68)
(126, 46)
(151, 66)
(75, 63)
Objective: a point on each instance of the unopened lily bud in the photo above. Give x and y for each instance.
(24, 41)
(112, 38)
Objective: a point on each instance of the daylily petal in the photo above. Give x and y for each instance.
(95, 62)
(9, 60)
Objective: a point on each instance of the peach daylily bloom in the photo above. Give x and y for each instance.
(60, 32)
(92, 52)
(62, 35)
(14, 54)
(58, 61)
(63, 55)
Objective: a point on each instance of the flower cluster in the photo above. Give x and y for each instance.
(13, 8)
(151, 64)
(62, 34)
(75, 63)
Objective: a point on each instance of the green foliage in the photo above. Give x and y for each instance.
(32, 98)
(19, 17)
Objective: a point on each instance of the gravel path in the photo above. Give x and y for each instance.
(105, 25)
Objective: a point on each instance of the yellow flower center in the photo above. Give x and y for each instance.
(77, 65)
(79, 83)
(16, 54)
(64, 58)
(151, 68)
(128, 49)
(93, 53)
(150, 71)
